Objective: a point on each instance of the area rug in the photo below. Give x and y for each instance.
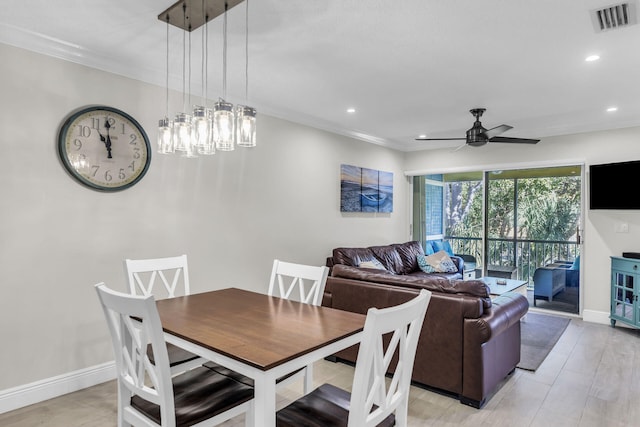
(539, 333)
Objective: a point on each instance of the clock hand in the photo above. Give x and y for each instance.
(107, 143)
(102, 138)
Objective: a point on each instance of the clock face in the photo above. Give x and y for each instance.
(104, 148)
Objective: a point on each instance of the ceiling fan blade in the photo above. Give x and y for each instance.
(459, 147)
(513, 140)
(440, 139)
(497, 130)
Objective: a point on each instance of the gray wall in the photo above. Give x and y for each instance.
(232, 214)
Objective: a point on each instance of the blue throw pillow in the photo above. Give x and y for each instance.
(423, 264)
(428, 249)
(439, 245)
(576, 264)
(447, 248)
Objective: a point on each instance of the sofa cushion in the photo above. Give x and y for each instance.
(408, 252)
(352, 256)
(441, 262)
(389, 257)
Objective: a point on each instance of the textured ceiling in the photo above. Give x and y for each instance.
(408, 67)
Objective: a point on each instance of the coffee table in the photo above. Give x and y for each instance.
(509, 285)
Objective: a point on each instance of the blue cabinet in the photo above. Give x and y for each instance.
(625, 286)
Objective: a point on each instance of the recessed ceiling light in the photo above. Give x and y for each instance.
(592, 58)
(422, 135)
(351, 110)
(612, 109)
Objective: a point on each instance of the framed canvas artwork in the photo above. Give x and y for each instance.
(365, 190)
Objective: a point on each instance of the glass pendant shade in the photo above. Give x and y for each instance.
(201, 135)
(165, 136)
(223, 126)
(182, 132)
(246, 126)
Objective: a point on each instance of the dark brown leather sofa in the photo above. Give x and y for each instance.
(469, 342)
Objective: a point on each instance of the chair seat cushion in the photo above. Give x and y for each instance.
(199, 394)
(177, 355)
(326, 406)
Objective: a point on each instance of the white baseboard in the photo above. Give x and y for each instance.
(28, 394)
(601, 317)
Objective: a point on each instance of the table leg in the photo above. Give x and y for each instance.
(265, 401)
(308, 378)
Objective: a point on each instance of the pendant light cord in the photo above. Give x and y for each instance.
(246, 52)
(167, 77)
(205, 46)
(184, 59)
(189, 75)
(224, 53)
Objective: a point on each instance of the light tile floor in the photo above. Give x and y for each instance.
(591, 378)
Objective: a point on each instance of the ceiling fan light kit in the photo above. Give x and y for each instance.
(478, 135)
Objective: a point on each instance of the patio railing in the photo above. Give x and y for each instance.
(525, 255)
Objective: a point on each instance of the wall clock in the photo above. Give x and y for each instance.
(104, 148)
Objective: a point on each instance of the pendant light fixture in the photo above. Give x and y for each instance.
(223, 117)
(206, 129)
(165, 126)
(202, 126)
(182, 122)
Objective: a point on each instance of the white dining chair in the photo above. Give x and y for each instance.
(304, 283)
(147, 393)
(373, 401)
(166, 277)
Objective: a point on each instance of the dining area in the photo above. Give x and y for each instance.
(204, 358)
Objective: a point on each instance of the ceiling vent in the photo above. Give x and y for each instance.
(614, 17)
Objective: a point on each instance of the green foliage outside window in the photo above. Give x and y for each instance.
(548, 208)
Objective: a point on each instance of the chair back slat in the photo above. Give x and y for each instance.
(372, 397)
(304, 283)
(161, 277)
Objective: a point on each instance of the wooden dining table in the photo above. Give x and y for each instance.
(257, 335)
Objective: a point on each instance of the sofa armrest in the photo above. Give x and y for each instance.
(506, 310)
(470, 261)
(492, 347)
(458, 261)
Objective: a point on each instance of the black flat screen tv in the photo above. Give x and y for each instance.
(611, 185)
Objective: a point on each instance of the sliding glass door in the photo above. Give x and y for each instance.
(512, 221)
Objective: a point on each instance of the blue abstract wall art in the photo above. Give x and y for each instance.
(365, 190)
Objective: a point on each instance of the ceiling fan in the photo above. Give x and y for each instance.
(478, 136)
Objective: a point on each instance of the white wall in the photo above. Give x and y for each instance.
(232, 214)
(600, 239)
